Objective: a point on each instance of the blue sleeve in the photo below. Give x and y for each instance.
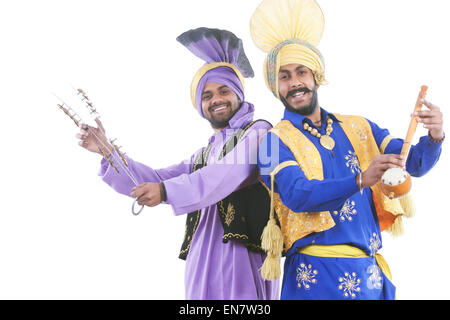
(297, 192)
(422, 157)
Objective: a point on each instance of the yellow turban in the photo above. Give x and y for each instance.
(289, 31)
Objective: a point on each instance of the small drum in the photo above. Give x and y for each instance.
(395, 183)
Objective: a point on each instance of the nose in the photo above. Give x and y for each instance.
(216, 99)
(296, 82)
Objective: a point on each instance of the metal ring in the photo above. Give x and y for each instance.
(133, 208)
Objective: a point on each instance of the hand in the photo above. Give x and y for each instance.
(432, 120)
(148, 194)
(378, 166)
(88, 139)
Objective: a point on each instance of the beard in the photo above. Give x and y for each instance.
(306, 110)
(222, 123)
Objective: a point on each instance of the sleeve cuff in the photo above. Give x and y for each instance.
(432, 147)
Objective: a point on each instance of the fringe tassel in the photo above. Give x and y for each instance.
(272, 238)
(409, 210)
(270, 269)
(397, 227)
(272, 243)
(408, 206)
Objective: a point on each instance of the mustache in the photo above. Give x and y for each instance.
(304, 89)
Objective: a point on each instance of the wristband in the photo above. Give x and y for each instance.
(435, 140)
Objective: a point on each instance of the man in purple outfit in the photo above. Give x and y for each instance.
(218, 186)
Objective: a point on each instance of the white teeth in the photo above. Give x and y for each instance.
(220, 108)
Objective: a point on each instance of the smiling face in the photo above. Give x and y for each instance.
(219, 104)
(297, 88)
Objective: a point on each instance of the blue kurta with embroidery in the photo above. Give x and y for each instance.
(310, 277)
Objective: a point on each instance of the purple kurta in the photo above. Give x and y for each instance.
(214, 270)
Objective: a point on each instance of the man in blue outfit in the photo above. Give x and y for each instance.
(323, 168)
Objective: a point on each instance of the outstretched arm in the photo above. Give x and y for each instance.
(114, 172)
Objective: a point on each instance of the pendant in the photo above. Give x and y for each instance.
(327, 142)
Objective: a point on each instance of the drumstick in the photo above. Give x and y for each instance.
(413, 124)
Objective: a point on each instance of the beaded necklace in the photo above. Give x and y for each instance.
(325, 140)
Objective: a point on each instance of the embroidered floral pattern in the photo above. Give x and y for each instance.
(348, 210)
(352, 162)
(375, 244)
(306, 275)
(375, 280)
(349, 284)
(229, 217)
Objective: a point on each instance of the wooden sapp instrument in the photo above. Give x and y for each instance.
(396, 182)
(116, 159)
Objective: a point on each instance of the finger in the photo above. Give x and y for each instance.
(140, 190)
(153, 203)
(394, 159)
(144, 201)
(386, 158)
(431, 121)
(84, 129)
(423, 113)
(137, 193)
(100, 125)
(139, 186)
(428, 114)
(429, 105)
(433, 126)
(387, 166)
(81, 136)
(83, 143)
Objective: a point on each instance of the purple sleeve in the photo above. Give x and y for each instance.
(123, 184)
(207, 186)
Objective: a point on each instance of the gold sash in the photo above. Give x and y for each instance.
(344, 251)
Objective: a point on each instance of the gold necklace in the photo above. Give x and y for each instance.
(325, 140)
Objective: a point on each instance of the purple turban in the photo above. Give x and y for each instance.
(226, 62)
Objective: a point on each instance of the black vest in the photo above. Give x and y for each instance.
(244, 213)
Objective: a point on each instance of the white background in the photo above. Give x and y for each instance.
(64, 234)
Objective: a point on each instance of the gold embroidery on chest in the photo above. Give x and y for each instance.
(352, 162)
(360, 131)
